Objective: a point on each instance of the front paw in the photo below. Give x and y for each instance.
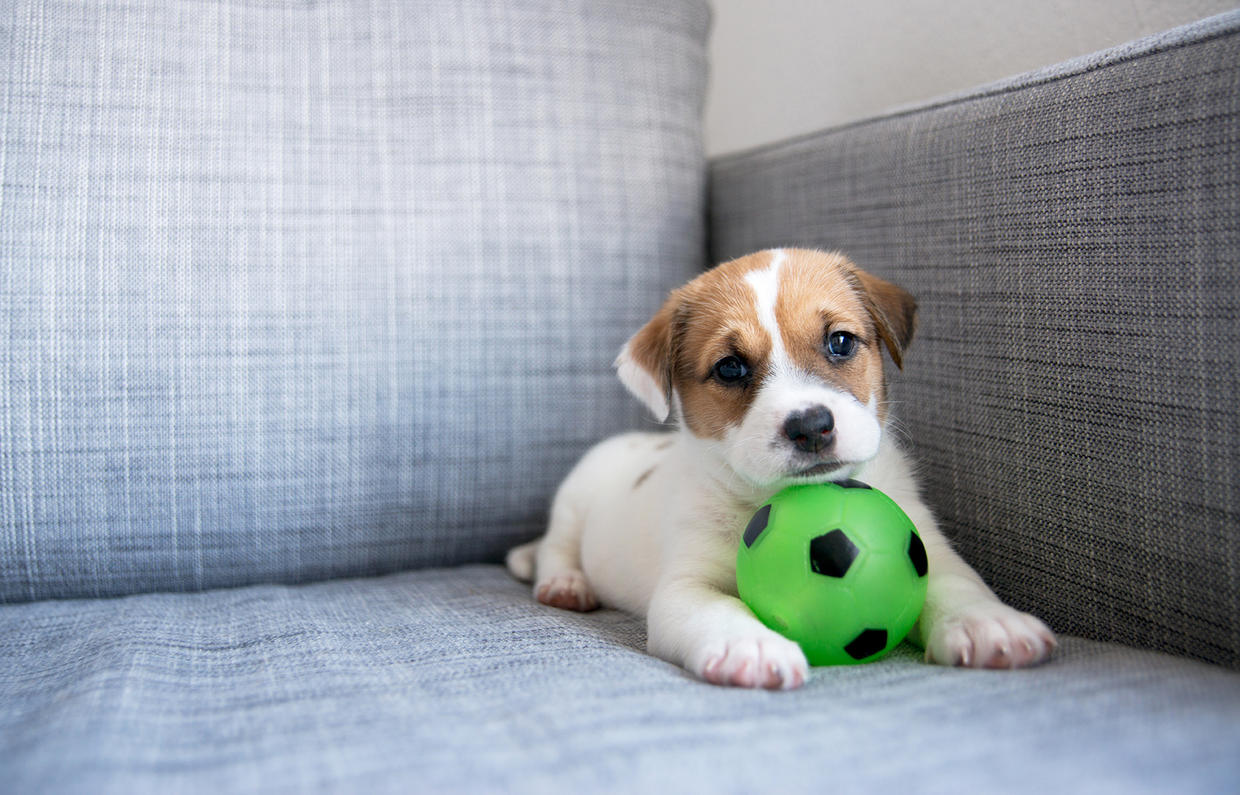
(989, 635)
(763, 660)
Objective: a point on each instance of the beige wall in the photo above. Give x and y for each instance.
(783, 67)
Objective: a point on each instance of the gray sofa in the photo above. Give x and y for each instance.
(306, 308)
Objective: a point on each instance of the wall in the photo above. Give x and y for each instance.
(784, 67)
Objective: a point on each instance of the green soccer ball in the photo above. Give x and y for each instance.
(837, 567)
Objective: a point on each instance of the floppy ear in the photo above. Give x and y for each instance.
(894, 312)
(645, 362)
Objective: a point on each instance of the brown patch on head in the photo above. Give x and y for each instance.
(824, 293)
(816, 300)
(716, 320)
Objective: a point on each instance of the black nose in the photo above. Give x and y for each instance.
(811, 430)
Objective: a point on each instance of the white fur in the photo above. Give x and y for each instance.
(649, 523)
(747, 447)
(765, 286)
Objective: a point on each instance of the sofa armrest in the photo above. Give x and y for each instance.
(1073, 236)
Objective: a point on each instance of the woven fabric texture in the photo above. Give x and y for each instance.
(457, 681)
(299, 290)
(1073, 238)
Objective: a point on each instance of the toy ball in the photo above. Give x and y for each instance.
(837, 567)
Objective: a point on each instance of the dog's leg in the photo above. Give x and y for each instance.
(559, 581)
(694, 624)
(963, 622)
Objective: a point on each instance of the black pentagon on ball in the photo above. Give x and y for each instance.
(854, 484)
(757, 524)
(917, 554)
(832, 554)
(868, 643)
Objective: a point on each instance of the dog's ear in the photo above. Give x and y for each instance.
(645, 362)
(894, 312)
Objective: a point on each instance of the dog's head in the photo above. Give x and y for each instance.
(776, 360)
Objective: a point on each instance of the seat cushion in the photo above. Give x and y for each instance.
(455, 680)
(300, 290)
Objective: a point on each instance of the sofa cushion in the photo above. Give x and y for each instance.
(295, 290)
(1072, 237)
(457, 681)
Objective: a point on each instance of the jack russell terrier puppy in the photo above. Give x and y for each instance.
(772, 366)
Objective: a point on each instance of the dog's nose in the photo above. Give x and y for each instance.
(811, 430)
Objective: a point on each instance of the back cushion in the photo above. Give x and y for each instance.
(299, 290)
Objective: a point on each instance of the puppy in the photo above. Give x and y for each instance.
(772, 367)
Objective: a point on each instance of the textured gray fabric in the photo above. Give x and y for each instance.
(456, 681)
(295, 290)
(1074, 240)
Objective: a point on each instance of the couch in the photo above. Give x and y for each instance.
(306, 308)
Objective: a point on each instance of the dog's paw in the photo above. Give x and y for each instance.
(568, 590)
(989, 635)
(760, 660)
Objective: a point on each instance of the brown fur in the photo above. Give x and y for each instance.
(717, 320)
(817, 298)
(894, 312)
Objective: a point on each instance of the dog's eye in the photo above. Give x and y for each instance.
(841, 344)
(731, 370)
